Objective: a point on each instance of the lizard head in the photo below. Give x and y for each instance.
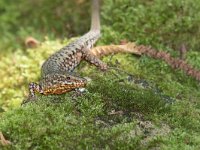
(73, 82)
(61, 83)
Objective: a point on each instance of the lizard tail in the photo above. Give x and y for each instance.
(175, 63)
(113, 49)
(95, 22)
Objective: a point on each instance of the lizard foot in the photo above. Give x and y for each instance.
(29, 99)
(104, 67)
(78, 92)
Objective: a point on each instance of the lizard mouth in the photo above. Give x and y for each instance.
(61, 84)
(80, 83)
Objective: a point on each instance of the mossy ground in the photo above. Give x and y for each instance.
(113, 113)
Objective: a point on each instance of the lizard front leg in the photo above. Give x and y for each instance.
(33, 88)
(91, 58)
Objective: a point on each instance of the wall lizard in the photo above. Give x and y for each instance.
(57, 70)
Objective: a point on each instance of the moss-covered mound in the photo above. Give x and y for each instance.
(114, 112)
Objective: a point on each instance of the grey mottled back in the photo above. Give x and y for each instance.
(67, 58)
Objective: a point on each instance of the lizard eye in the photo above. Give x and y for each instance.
(68, 78)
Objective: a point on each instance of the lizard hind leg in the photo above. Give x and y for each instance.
(91, 58)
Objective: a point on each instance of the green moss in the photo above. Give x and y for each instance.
(152, 22)
(124, 96)
(114, 112)
(111, 111)
(18, 69)
(65, 124)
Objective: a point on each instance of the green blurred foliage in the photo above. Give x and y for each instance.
(18, 69)
(171, 22)
(38, 18)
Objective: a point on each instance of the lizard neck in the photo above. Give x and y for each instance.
(95, 21)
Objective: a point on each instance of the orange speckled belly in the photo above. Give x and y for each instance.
(60, 89)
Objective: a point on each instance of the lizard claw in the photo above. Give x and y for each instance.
(29, 99)
(104, 67)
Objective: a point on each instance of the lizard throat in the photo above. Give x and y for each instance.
(61, 89)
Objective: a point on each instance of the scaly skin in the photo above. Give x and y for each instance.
(56, 84)
(130, 47)
(57, 77)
